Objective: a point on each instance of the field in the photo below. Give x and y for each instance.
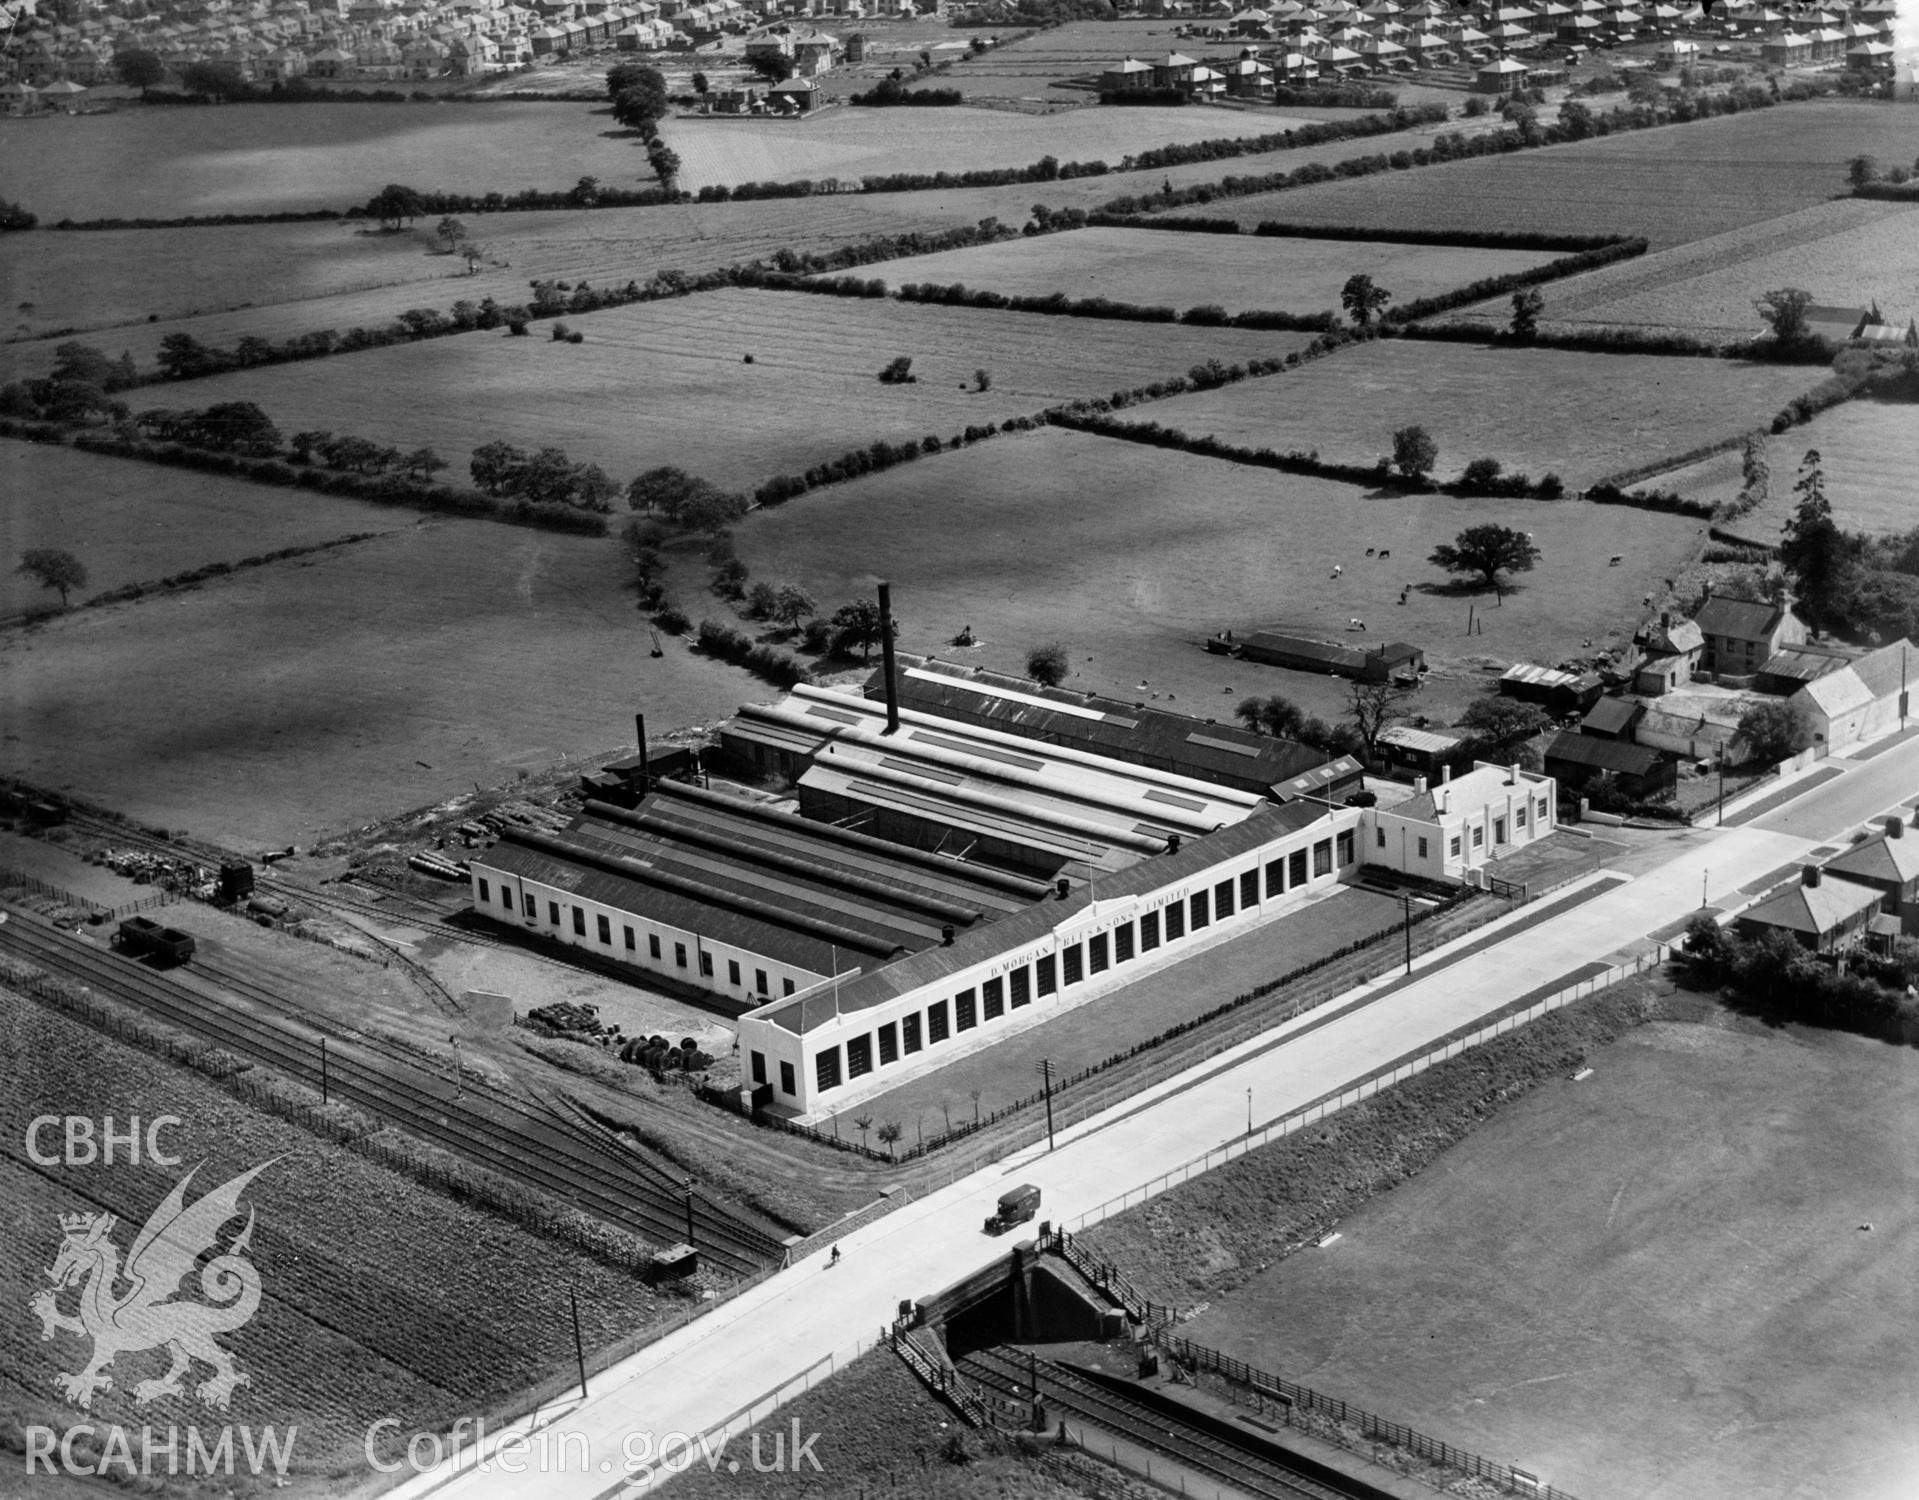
(1565, 1288)
(133, 523)
(1131, 555)
(1847, 253)
(851, 143)
(299, 698)
(1139, 265)
(167, 162)
(666, 382)
(358, 1320)
(1870, 451)
(1674, 184)
(1580, 416)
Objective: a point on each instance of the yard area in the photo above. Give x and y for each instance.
(299, 698)
(1537, 411)
(1685, 1276)
(1673, 184)
(138, 523)
(1131, 555)
(1141, 266)
(668, 382)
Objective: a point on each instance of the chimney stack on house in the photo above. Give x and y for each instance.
(1812, 876)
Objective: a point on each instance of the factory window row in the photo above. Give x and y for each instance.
(1077, 962)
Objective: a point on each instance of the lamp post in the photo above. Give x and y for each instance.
(1249, 1111)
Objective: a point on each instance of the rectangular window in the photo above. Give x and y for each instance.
(1249, 888)
(579, 922)
(992, 995)
(826, 1069)
(653, 945)
(733, 971)
(1122, 942)
(679, 954)
(1347, 853)
(1479, 837)
(1296, 868)
(889, 1044)
(859, 1056)
(1021, 986)
(706, 963)
(1379, 838)
(910, 1030)
(965, 1011)
(759, 982)
(605, 929)
(1542, 807)
(627, 934)
(936, 1022)
(787, 1083)
(1422, 846)
(553, 912)
(1223, 900)
(1454, 846)
(506, 898)
(1096, 951)
(786, 986)
(1199, 907)
(1323, 858)
(759, 1067)
(1149, 932)
(1072, 964)
(1519, 816)
(1175, 921)
(1044, 969)
(486, 892)
(1275, 878)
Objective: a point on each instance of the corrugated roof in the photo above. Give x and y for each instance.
(1741, 619)
(1621, 758)
(1803, 663)
(1430, 741)
(1547, 677)
(805, 1013)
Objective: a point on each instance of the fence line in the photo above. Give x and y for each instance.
(1299, 1119)
(10, 876)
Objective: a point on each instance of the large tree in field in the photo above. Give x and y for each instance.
(1361, 298)
(1812, 549)
(639, 95)
(1784, 311)
(138, 68)
(52, 568)
(857, 624)
(395, 205)
(1048, 664)
(1414, 452)
(1486, 551)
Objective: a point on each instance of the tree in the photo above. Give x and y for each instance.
(761, 600)
(793, 604)
(709, 511)
(82, 362)
(857, 624)
(1375, 705)
(774, 67)
(983, 379)
(889, 1134)
(1812, 550)
(700, 84)
(639, 95)
(237, 427)
(1486, 551)
(1528, 304)
(1502, 724)
(450, 232)
(862, 1124)
(1775, 729)
(395, 205)
(1361, 298)
(1862, 171)
(496, 466)
(663, 490)
(1784, 311)
(138, 68)
(1414, 452)
(52, 568)
(1048, 664)
(211, 79)
(1576, 120)
(1278, 716)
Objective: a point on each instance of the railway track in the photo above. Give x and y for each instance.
(1247, 1469)
(536, 1143)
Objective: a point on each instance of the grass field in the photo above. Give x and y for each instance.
(358, 1320)
(666, 382)
(851, 143)
(1674, 184)
(133, 523)
(1657, 1282)
(1536, 410)
(1139, 265)
(302, 697)
(1131, 555)
(1848, 253)
(166, 162)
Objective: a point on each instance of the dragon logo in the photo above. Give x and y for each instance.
(146, 1315)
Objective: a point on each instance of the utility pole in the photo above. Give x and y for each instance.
(1249, 1111)
(1722, 787)
(1045, 1070)
(323, 1071)
(688, 1190)
(1406, 898)
(579, 1349)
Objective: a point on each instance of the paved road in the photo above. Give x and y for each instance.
(694, 1379)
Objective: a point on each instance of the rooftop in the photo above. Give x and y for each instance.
(1813, 909)
(1617, 756)
(1741, 619)
(1894, 860)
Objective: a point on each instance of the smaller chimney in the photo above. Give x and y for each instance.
(1446, 773)
(1812, 875)
(887, 666)
(1172, 843)
(1515, 778)
(946, 936)
(1419, 785)
(1895, 828)
(1064, 887)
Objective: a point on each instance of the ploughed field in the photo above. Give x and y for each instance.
(1578, 415)
(1721, 1322)
(1674, 184)
(166, 162)
(1238, 272)
(294, 699)
(138, 523)
(667, 382)
(1129, 556)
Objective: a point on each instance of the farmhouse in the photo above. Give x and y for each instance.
(1888, 864)
(1447, 830)
(1575, 760)
(1741, 635)
(1821, 914)
(1363, 664)
(1672, 648)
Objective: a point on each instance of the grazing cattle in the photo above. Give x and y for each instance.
(1385, 551)
(1615, 560)
(1338, 568)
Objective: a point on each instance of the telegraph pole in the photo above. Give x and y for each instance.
(323, 1071)
(579, 1349)
(1045, 1070)
(690, 1184)
(1407, 898)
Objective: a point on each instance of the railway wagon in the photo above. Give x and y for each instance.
(142, 937)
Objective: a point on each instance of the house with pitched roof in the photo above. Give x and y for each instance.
(1822, 914)
(1741, 635)
(1888, 864)
(1867, 697)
